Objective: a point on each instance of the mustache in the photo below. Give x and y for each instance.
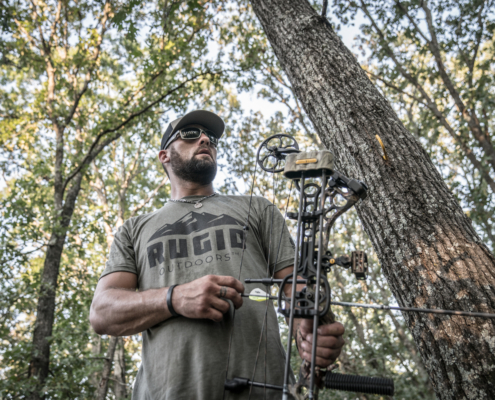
(202, 148)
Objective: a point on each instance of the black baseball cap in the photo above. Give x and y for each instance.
(209, 120)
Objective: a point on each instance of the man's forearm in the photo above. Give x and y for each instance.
(122, 312)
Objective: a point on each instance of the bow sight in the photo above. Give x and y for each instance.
(324, 195)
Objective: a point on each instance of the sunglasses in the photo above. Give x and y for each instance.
(193, 134)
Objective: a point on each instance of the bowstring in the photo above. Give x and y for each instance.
(244, 239)
(265, 316)
(265, 319)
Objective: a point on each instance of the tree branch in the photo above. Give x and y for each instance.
(324, 9)
(479, 36)
(78, 96)
(430, 103)
(55, 22)
(107, 368)
(149, 198)
(411, 20)
(296, 114)
(30, 39)
(396, 88)
(139, 90)
(469, 116)
(95, 149)
(134, 170)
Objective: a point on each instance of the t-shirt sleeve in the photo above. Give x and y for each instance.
(122, 257)
(277, 243)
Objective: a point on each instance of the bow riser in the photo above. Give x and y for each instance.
(318, 212)
(320, 188)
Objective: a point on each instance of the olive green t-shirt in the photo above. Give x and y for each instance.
(186, 358)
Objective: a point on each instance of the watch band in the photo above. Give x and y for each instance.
(169, 301)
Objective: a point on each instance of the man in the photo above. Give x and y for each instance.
(182, 259)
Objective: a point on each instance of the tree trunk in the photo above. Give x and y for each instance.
(96, 350)
(101, 392)
(45, 312)
(431, 255)
(119, 385)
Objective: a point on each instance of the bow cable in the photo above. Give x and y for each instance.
(266, 308)
(265, 320)
(244, 239)
(300, 233)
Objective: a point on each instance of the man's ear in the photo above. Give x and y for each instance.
(164, 156)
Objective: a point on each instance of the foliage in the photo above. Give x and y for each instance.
(435, 63)
(151, 62)
(73, 81)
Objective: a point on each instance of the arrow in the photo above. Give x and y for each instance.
(260, 295)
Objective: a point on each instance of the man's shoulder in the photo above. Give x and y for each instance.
(139, 220)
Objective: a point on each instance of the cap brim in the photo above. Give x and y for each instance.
(209, 120)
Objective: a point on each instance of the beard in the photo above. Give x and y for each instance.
(200, 171)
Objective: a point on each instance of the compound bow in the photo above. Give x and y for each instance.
(319, 186)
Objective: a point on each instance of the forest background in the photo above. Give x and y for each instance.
(86, 90)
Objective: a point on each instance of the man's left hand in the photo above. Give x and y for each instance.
(329, 341)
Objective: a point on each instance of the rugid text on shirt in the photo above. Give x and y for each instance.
(189, 233)
(201, 245)
(188, 155)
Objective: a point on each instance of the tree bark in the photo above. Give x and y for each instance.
(101, 392)
(430, 253)
(45, 312)
(119, 385)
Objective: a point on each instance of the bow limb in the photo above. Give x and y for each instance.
(351, 200)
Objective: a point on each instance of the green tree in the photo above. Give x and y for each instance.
(410, 216)
(132, 66)
(435, 62)
(72, 84)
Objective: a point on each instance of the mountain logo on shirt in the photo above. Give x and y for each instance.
(227, 235)
(194, 222)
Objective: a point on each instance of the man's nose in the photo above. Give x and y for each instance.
(204, 139)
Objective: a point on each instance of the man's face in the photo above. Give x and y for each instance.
(194, 160)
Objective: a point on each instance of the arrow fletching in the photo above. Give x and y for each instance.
(258, 295)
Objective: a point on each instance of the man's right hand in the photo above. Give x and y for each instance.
(206, 297)
(119, 310)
